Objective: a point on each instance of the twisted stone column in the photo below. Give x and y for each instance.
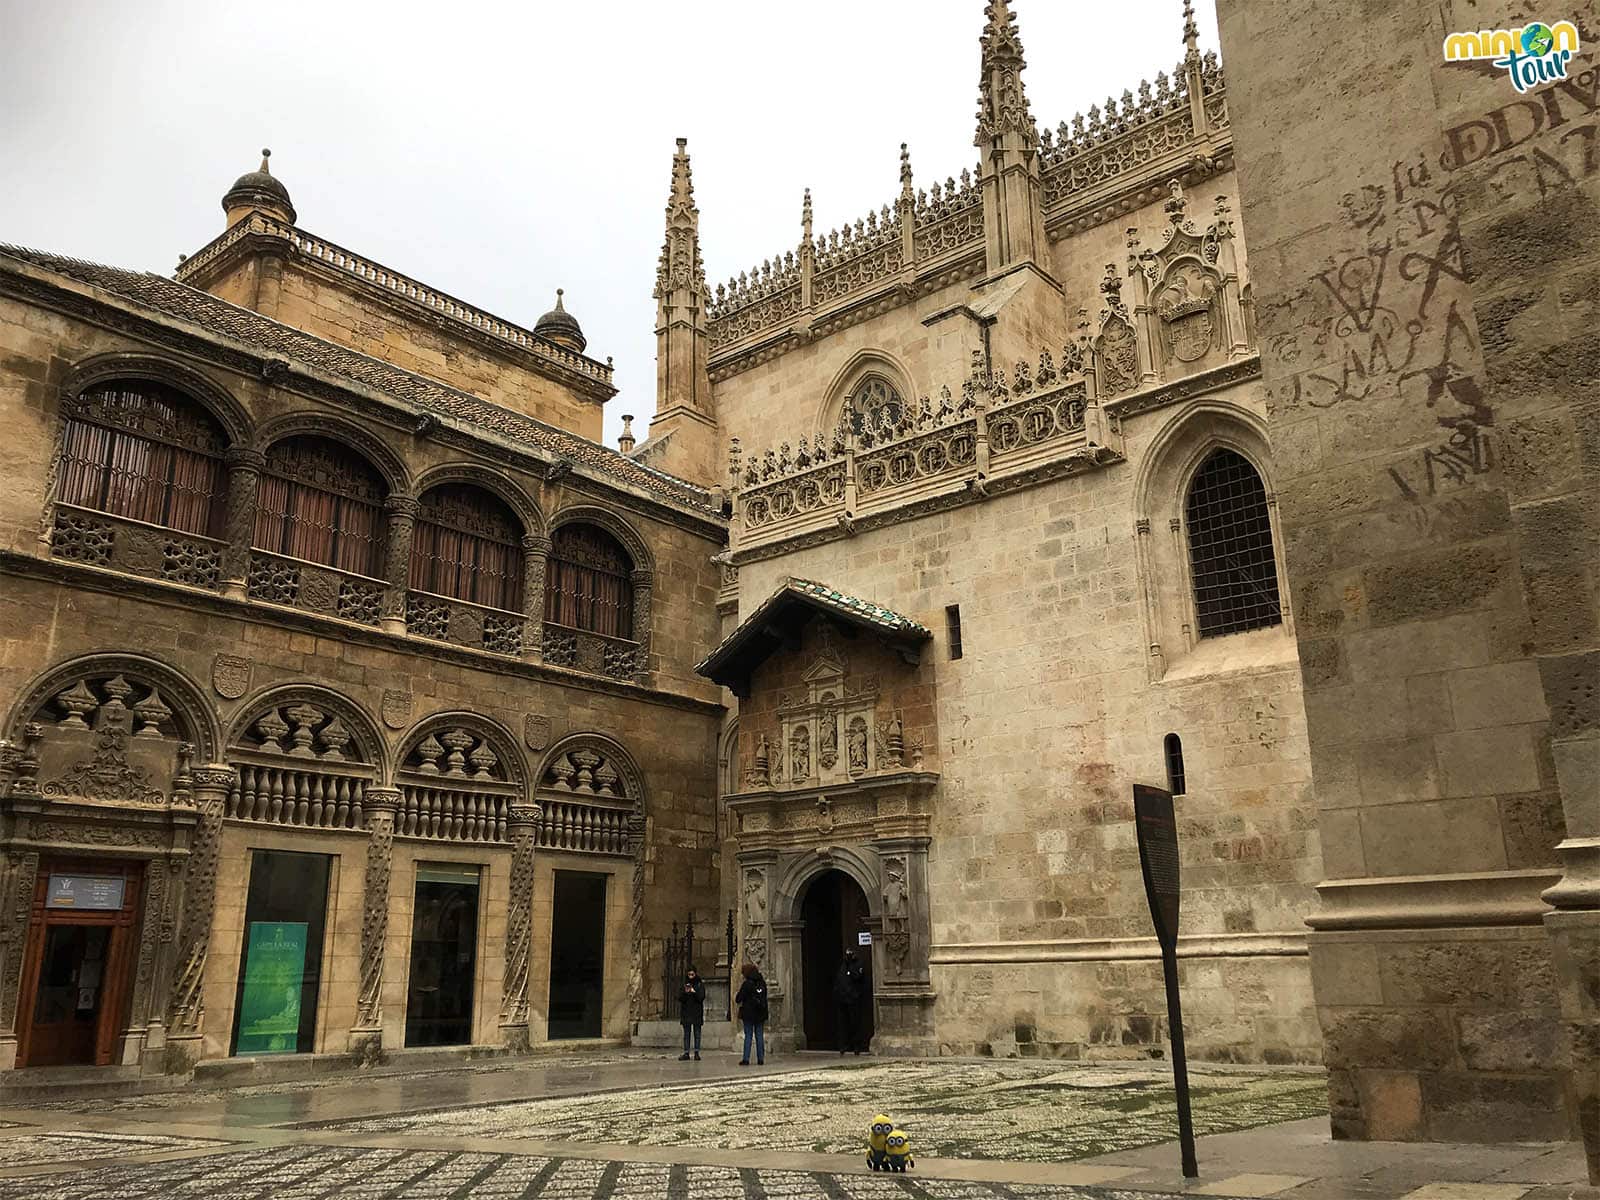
(186, 1009)
(535, 556)
(523, 827)
(244, 479)
(643, 581)
(378, 810)
(402, 512)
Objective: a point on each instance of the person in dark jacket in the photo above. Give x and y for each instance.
(692, 1011)
(849, 994)
(752, 1001)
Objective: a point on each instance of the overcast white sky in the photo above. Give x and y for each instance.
(499, 150)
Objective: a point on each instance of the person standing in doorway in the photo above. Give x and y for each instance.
(752, 1001)
(849, 994)
(692, 1011)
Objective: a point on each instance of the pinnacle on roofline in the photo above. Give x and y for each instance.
(1191, 34)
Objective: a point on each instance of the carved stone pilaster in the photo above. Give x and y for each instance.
(186, 1008)
(378, 810)
(535, 556)
(22, 870)
(637, 836)
(523, 828)
(402, 512)
(244, 478)
(642, 583)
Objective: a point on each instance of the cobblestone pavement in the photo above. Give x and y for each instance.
(1013, 1111)
(316, 1173)
(75, 1144)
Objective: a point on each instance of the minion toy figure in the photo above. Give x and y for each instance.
(898, 1148)
(878, 1142)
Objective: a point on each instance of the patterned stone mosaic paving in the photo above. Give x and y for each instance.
(1013, 1111)
(73, 1145)
(320, 1173)
(168, 1099)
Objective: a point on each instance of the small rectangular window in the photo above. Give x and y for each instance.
(952, 625)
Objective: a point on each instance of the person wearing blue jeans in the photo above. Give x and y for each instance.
(752, 1001)
(692, 1011)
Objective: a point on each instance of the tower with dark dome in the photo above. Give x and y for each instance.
(561, 327)
(258, 191)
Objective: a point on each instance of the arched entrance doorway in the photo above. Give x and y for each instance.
(834, 911)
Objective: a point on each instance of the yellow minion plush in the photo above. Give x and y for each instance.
(897, 1146)
(877, 1142)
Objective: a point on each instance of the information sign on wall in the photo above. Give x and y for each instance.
(94, 893)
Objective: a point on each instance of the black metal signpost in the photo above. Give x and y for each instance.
(1158, 860)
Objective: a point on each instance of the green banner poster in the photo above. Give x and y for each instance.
(269, 1011)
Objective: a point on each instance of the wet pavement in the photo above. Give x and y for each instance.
(624, 1125)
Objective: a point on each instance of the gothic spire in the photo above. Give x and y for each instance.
(805, 219)
(1002, 100)
(1191, 35)
(906, 194)
(680, 265)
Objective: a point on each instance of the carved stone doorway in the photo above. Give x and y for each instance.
(834, 912)
(77, 966)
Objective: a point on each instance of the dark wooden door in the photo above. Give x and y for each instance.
(834, 910)
(76, 973)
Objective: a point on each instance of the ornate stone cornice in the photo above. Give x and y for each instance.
(156, 591)
(1058, 468)
(20, 281)
(1176, 391)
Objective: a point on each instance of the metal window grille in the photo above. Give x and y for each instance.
(952, 622)
(145, 451)
(1230, 548)
(1173, 749)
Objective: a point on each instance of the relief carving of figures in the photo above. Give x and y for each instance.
(755, 901)
(799, 754)
(856, 745)
(828, 741)
(896, 910)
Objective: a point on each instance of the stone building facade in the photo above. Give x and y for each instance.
(329, 633)
(1019, 411)
(951, 525)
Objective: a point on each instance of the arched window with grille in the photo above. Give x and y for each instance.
(144, 450)
(1231, 557)
(467, 545)
(875, 404)
(589, 582)
(322, 502)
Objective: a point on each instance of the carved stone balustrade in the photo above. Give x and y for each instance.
(442, 810)
(327, 591)
(592, 653)
(463, 623)
(1000, 434)
(587, 828)
(320, 796)
(100, 540)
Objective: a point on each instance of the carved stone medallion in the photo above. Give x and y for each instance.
(536, 731)
(396, 708)
(230, 675)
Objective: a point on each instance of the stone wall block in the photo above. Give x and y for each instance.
(1464, 1106)
(1374, 1037)
(1391, 1105)
(1509, 975)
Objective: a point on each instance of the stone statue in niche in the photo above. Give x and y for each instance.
(755, 901)
(799, 754)
(856, 745)
(828, 741)
(896, 909)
